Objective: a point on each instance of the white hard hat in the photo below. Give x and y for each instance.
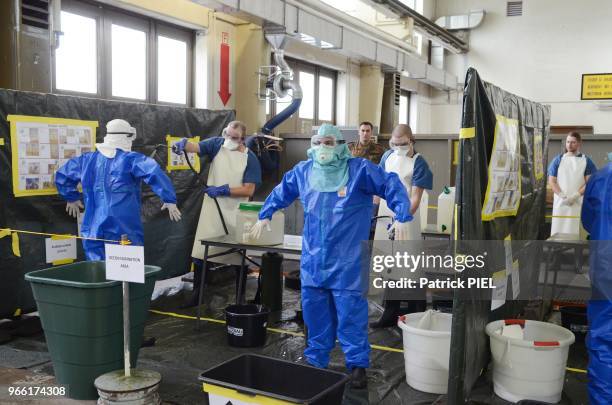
(120, 127)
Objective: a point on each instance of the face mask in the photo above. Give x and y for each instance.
(324, 155)
(402, 149)
(230, 145)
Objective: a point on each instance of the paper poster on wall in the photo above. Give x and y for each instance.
(178, 162)
(503, 194)
(538, 156)
(41, 145)
(512, 268)
(498, 294)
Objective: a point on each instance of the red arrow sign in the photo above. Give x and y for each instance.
(224, 93)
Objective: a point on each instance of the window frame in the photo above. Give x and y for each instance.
(105, 16)
(168, 31)
(298, 65)
(111, 17)
(89, 11)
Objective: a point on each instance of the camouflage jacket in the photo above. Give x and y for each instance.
(372, 151)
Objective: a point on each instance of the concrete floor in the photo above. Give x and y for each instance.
(181, 353)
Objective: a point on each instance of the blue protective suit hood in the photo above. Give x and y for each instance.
(332, 176)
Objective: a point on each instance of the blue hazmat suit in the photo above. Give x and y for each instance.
(111, 192)
(597, 220)
(334, 274)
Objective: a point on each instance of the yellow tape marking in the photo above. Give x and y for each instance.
(63, 261)
(15, 244)
(280, 331)
(1, 141)
(62, 236)
(466, 133)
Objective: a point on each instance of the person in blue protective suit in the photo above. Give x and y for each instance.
(336, 191)
(111, 178)
(233, 176)
(597, 220)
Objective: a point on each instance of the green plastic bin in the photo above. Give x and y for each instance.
(82, 316)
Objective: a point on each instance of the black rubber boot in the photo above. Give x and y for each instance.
(359, 378)
(389, 316)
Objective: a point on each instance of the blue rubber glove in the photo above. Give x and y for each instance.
(179, 147)
(221, 191)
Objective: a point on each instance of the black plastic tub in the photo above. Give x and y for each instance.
(574, 318)
(257, 379)
(246, 325)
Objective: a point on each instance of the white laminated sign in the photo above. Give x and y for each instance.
(125, 263)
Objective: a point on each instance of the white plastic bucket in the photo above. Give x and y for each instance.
(427, 350)
(532, 367)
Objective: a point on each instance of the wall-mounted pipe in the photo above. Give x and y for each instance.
(281, 83)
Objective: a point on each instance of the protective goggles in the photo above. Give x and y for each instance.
(235, 138)
(402, 143)
(326, 141)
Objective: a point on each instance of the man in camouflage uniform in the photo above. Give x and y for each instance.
(366, 148)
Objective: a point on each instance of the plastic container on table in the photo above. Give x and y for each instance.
(446, 204)
(248, 214)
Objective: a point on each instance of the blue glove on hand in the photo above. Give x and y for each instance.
(179, 147)
(221, 191)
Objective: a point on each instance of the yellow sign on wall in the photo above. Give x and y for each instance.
(178, 162)
(41, 145)
(597, 86)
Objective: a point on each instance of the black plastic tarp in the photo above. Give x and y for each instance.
(482, 101)
(167, 244)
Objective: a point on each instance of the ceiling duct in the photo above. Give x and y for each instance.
(462, 22)
(430, 29)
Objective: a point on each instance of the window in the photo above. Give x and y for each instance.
(307, 83)
(129, 62)
(171, 70)
(76, 58)
(404, 108)
(111, 53)
(326, 97)
(318, 93)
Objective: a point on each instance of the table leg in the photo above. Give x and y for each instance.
(554, 283)
(201, 290)
(546, 267)
(241, 275)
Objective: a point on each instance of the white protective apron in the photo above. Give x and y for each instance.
(227, 167)
(570, 178)
(403, 166)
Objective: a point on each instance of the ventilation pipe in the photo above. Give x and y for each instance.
(281, 81)
(462, 22)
